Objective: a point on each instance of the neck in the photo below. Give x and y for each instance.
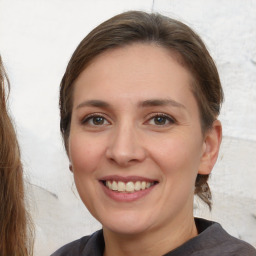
(151, 242)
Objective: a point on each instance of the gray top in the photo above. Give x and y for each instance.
(212, 240)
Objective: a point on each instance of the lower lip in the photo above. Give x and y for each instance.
(125, 196)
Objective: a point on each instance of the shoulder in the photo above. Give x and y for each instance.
(216, 241)
(83, 246)
(73, 248)
(236, 247)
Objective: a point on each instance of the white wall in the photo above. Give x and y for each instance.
(37, 38)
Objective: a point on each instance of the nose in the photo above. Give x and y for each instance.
(125, 147)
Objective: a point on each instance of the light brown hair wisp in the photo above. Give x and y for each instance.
(16, 229)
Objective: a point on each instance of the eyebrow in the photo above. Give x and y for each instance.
(161, 102)
(94, 103)
(145, 103)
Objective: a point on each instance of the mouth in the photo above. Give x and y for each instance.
(129, 186)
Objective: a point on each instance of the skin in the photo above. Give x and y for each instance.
(134, 114)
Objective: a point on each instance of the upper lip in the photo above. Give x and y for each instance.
(126, 178)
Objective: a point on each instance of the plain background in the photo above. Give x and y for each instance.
(37, 38)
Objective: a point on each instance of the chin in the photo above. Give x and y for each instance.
(126, 225)
(126, 230)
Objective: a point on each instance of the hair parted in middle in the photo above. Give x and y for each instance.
(141, 27)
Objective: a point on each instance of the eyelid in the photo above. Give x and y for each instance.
(86, 118)
(157, 114)
(171, 119)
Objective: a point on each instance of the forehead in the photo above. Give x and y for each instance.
(137, 67)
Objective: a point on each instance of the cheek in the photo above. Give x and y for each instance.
(179, 156)
(83, 153)
(84, 156)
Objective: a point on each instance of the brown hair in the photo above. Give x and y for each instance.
(15, 225)
(140, 27)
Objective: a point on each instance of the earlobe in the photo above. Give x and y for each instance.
(211, 148)
(71, 167)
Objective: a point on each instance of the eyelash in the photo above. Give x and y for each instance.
(90, 117)
(170, 119)
(166, 117)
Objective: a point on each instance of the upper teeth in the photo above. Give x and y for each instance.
(130, 186)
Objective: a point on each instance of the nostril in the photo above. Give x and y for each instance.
(125, 150)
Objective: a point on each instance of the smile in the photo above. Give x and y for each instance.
(130, 186)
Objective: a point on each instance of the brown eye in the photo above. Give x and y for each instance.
(98, 120)
(95, 120)
(161, 120)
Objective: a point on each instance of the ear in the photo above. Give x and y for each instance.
(70, 167)
(212, 141)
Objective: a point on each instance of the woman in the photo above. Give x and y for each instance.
(139, 103)
(15, 225)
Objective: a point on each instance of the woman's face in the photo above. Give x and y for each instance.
(135, 142)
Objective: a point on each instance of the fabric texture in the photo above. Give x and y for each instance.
(212, 240)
